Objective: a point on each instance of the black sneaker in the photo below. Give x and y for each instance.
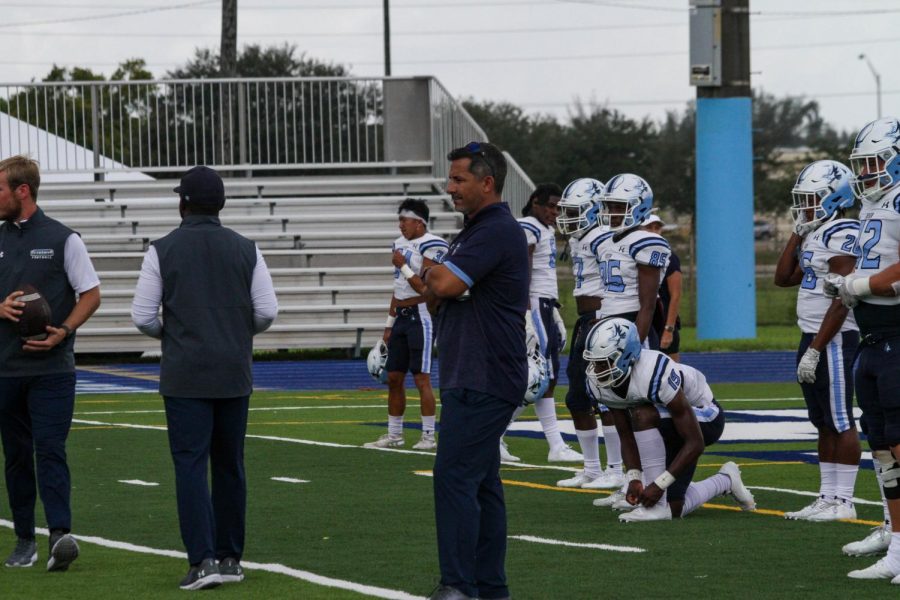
(230, 570)
(24, 554)
(203, 576)
(63, 551)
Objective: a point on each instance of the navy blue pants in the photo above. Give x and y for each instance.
(468, 496)
(201, 431)
(35, 416)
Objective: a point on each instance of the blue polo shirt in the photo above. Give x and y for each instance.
(481, 338)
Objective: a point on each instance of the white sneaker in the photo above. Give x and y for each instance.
(610, 500)
(879, 570)
(837, 509)
(604, 482)
(819, 504)
(657, 512)
(615, 474)
(738, 490)
(623, 504)
(386, 441)
(426, 442)
(504, 453)
(876, 542)
(564, 453)
(577, 481)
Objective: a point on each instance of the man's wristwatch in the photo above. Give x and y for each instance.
(67, 329)
(669, 328)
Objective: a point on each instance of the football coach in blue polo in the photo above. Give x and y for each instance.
(216, 293)
(480, 295)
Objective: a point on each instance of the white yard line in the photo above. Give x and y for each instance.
(551, 542)
(139, 482)
(289, 480)
(272, 408)
(360, 588)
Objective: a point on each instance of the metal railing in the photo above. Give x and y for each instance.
(167, 125)
(246, 124)
(452, 127)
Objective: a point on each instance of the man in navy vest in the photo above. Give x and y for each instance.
(481, 295)
(216, 294)
(37, 377)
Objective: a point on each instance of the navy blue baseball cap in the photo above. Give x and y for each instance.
(202, 186)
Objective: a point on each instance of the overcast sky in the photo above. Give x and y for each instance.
(539, 54)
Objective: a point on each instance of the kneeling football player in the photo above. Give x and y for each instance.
(666, 415)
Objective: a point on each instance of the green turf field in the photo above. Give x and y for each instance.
(365, 517)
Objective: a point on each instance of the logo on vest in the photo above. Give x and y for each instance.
(42, 254)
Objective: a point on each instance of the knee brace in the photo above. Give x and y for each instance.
(890, 473)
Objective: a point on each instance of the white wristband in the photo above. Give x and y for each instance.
(861, 287)
(896, 287)
(664, 480)
(407, 272)
(390, 321)
(633, 475)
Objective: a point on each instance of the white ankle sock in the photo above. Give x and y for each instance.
(828, 479)
(428, 425)
(395, 425)
(653, 455)
(545, 409)
(845, 481)
(590, 448)
(701, 491)
(893, 553)
(887, 515)
(613, 448)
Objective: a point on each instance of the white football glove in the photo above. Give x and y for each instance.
(804, 229)
(806, 370)
(849, 289)
(531, 338)
(560, 327)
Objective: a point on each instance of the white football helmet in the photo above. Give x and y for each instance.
(538, 376)
(377, 360)
(611, 348)
(627, 199)
(875, 159)
(824, 188)
(579, 207)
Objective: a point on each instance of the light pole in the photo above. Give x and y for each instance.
(877, 80)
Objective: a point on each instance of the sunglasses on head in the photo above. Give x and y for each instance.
(477, 153)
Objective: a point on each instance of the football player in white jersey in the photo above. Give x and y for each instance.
(633, 263)
(666, 415)
(822, 243)
(873, 291)
(408, 332)
(578, 219)
(538, 220)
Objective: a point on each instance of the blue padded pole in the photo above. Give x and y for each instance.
(726, 287)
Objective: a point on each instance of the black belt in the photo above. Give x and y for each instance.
(870, 339)
(408, 311)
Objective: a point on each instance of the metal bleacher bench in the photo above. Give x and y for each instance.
(246, 187)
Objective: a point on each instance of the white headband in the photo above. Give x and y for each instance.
(408, 214)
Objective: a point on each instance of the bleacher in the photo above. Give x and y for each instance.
(316, 184)
(329, 257)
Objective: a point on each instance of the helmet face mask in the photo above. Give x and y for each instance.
(579, 207)
(822, 189)
(875, 159)
(627, 201)
(538, 376)
(611, 348)
(376, 362)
